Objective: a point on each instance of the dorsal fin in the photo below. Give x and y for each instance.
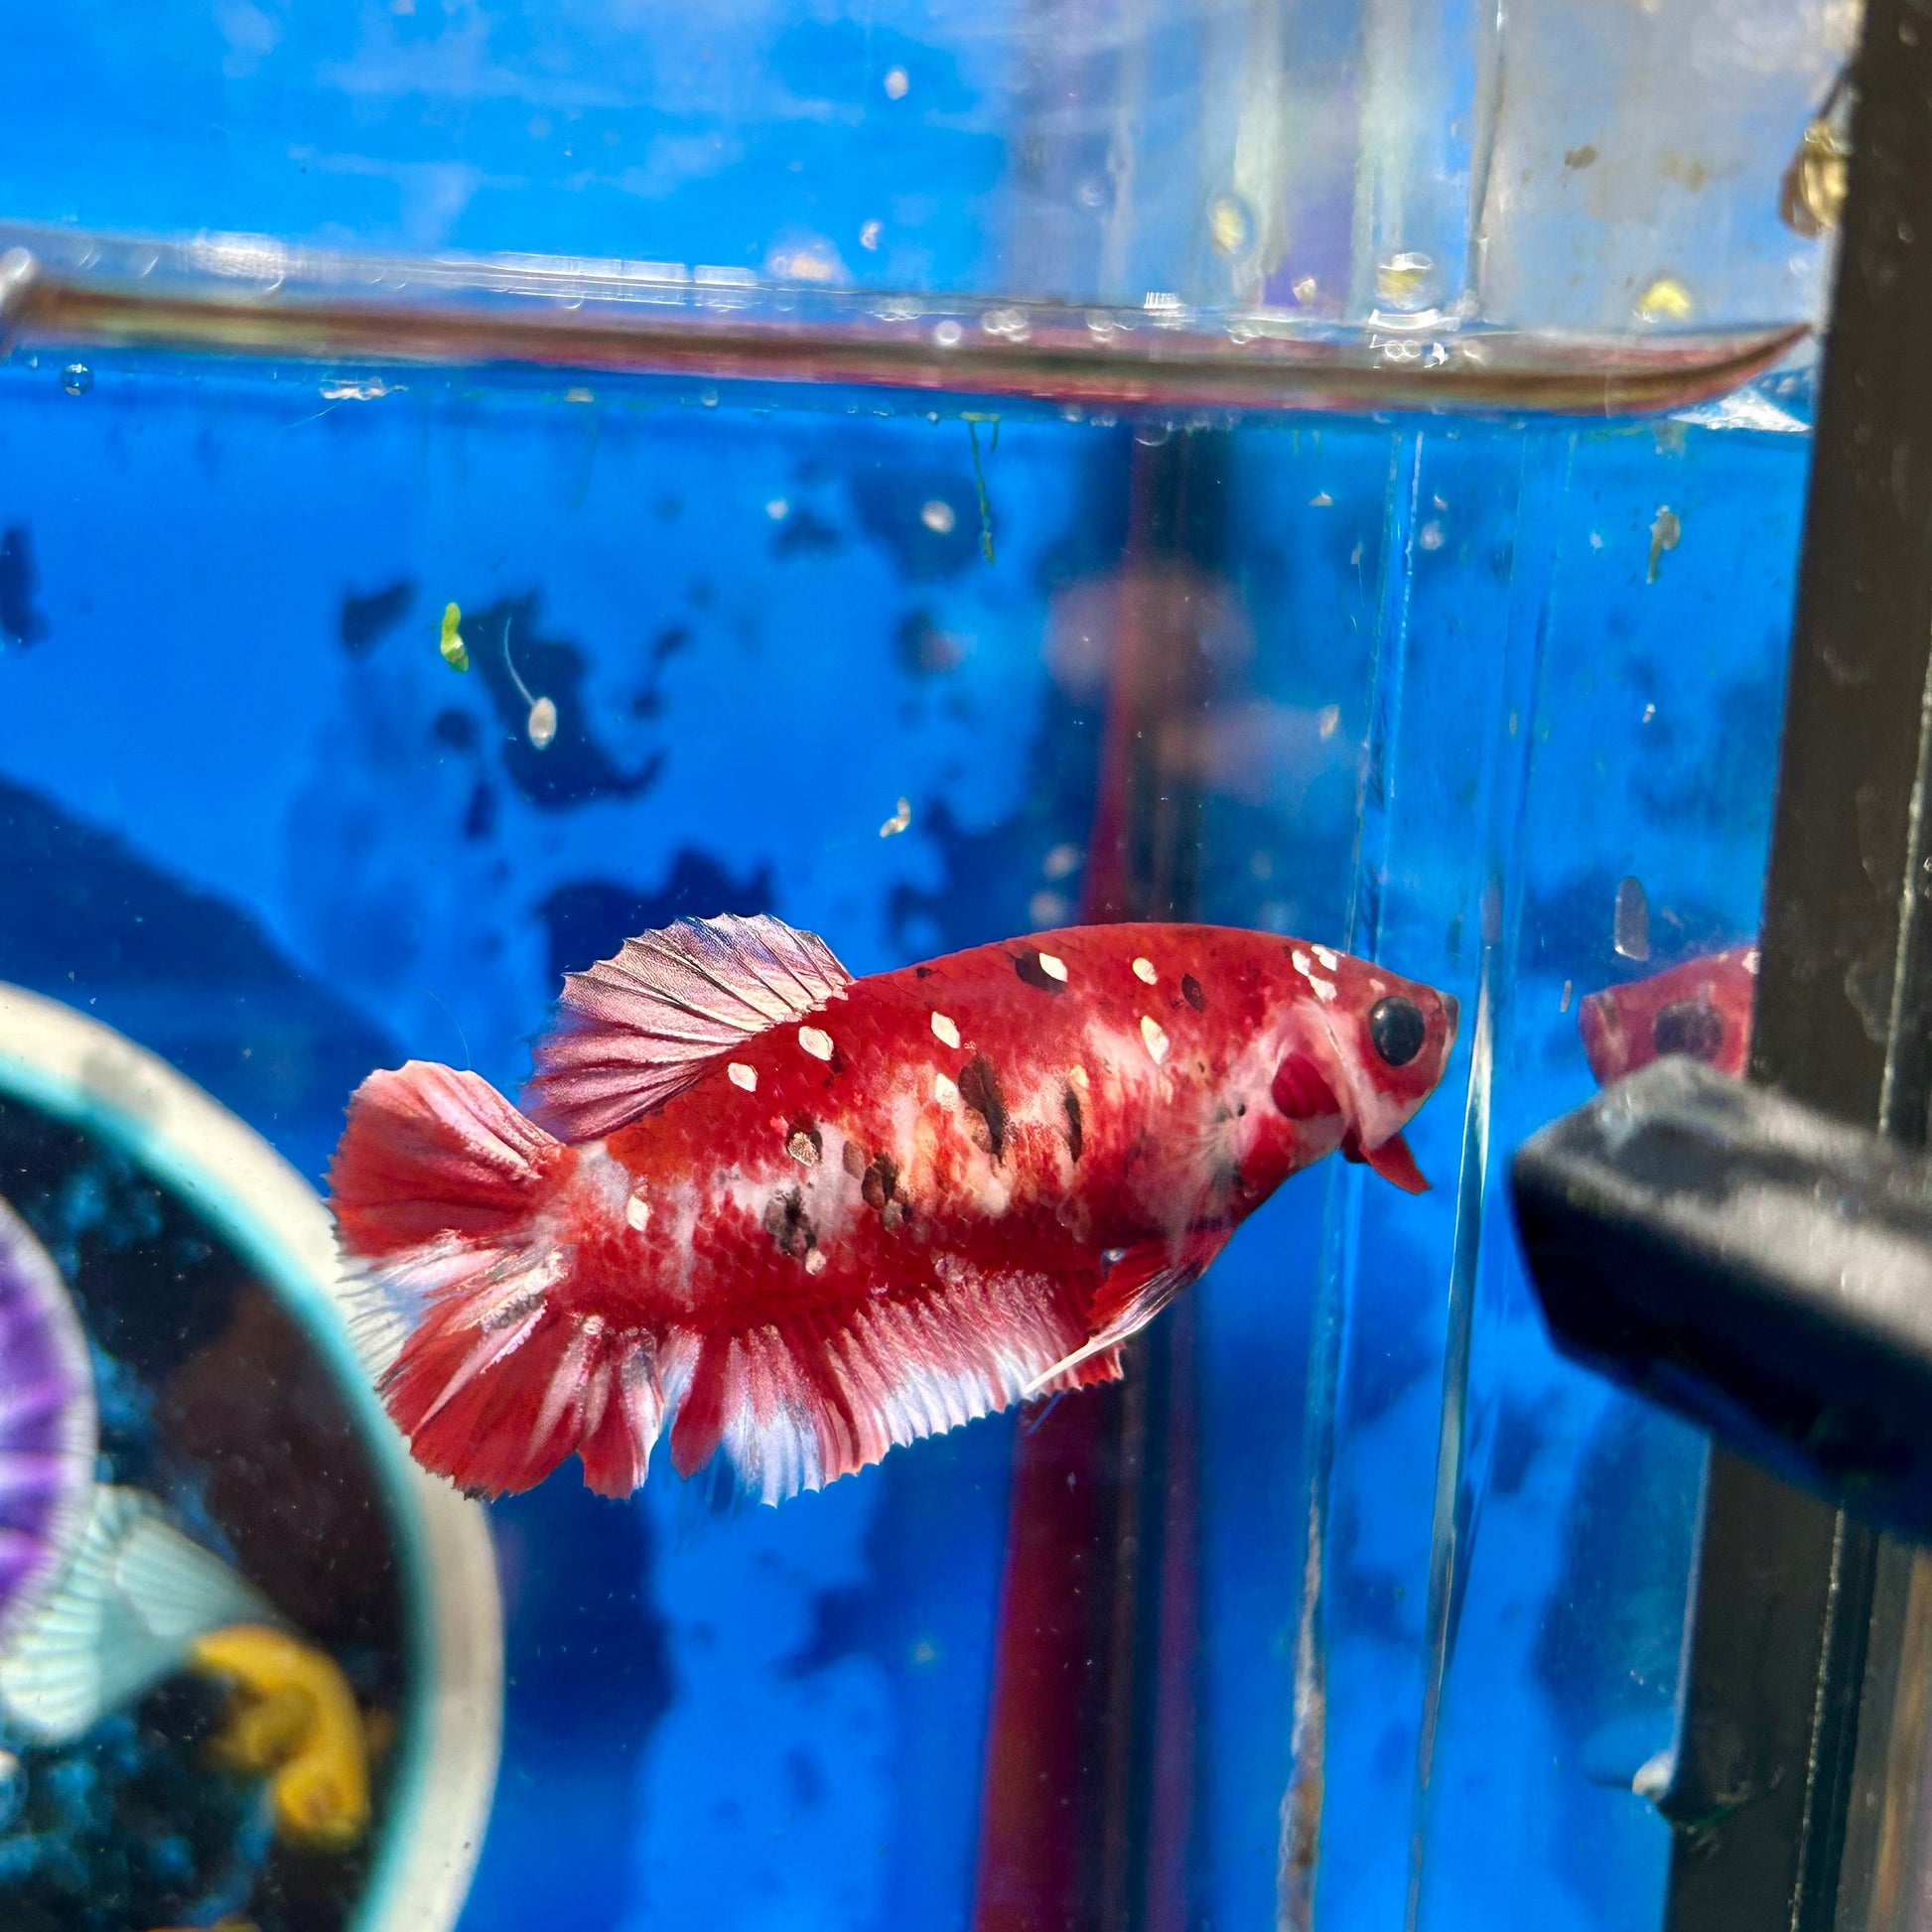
(635, 1031)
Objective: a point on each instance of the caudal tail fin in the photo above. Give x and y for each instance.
(440, 1190)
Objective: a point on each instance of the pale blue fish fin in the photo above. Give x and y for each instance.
(134, 1596)
(635, 1031)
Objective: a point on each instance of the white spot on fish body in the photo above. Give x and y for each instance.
(815, 1262)
(1157, 1040)
(637, 1213)
(740, 1075)
(1054, 969)
(817, 1045)
(1325, 989)
(1328, 958)
(944, 1031)
(1300, 961)
(943, 1090)
(1143, 970)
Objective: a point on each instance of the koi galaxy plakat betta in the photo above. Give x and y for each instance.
(805, 1217)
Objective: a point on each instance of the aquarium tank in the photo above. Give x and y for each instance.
(480, 484)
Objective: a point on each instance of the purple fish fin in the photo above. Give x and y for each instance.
(636, 1031)
(1141, 1283)
(796, 1404)
(47, 1431)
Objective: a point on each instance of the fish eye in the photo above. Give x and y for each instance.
(1691, 1026)
(1397, 1030)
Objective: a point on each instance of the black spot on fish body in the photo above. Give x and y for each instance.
(787, 1223)
(922, 972)
(1191, 993)
(979, 1087)
(878, 1181)
(1032, 973)
(1076, 1136)
(366, 620)
(804, 1143)
(18, 581)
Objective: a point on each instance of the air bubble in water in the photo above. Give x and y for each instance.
(76, 378)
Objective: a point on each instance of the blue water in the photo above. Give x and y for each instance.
(257, 822)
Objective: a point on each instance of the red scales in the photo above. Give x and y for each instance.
(802, 1218)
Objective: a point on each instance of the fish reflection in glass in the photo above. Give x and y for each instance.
(1702, 1009)
(802, 1219)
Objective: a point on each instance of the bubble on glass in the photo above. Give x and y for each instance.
(1149, 435)
(937, 516)
(898, 821)
(1305, 290)
(897, 83)
(1631, 923)
(1061, 861)
(948, 334)
(1091, 194)
(1665, 299)
(1431, 536)
(869, 234)
(1404, 280)
(1321, 501)
(777, 509)
(76, 378)
(1231, 224)
(1047, 908)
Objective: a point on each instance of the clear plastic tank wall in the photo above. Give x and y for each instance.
(1459, 683)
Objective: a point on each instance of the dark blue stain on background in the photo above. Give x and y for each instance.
(518, 664)
(589, 920)
(18, 618)
(366, 620)
(89, 922)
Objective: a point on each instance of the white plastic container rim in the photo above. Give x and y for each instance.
(83, 1073)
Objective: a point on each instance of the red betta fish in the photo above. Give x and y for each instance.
(1702, 1008)
(808, 1217)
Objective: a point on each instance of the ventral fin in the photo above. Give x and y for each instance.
(1392, 1160)
(636, 1031)
(1142, 1282)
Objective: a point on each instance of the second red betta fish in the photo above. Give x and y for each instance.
(807, 1217)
